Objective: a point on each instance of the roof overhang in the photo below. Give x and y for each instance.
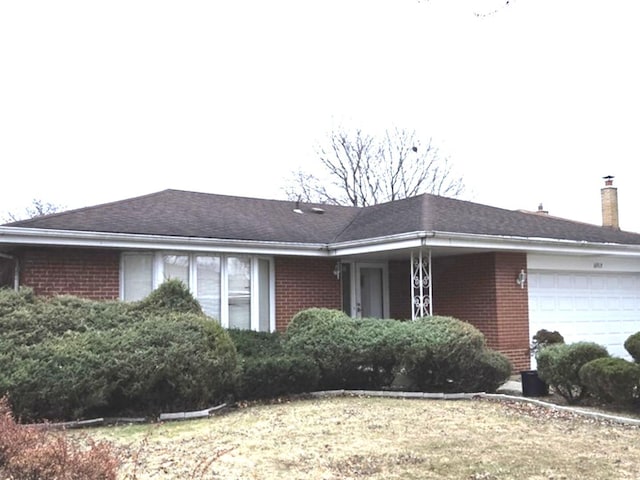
(19, 236)
(465, 241)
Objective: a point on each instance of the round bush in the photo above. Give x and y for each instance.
(632, 345)
(559, 365)
(487, 373)
(172, 295)
(446, 355)
(328, 337)
(612, 380)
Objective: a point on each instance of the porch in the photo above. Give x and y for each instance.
(477, 287)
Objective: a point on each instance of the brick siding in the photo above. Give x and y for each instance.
(91, 274)
(481, 289)
(400, 290)
(303, 283)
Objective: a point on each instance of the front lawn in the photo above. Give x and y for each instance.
(354, 438)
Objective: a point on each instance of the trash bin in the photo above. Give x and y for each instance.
(532, 386)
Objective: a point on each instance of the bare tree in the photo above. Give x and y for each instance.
(361, 169)
(38, 208)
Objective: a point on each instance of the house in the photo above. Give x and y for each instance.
(254, 263)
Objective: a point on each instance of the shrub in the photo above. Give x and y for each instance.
(60, 378)
(446, 354)
(170, 362)
(172, 295)
(632, 345)
(612, 380)
(28, 453)
(559, 365)
(437, 353)
(67, 358)
(350, 353)
(544, 338)
(490, 370)
(272, 376)
(328, 337)
(379, 343)
(266, 370)
(250, 343)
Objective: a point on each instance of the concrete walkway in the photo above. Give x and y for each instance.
(511, 387)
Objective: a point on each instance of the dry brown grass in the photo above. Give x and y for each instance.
(356, 438)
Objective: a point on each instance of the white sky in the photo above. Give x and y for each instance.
(104, 100)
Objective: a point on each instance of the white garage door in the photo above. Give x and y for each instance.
(597, 307)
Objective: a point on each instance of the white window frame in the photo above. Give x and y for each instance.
(158, 278)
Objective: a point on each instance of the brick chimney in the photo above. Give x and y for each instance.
(609, 195)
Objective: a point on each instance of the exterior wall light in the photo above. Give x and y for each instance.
(337, 269)
(522, 278)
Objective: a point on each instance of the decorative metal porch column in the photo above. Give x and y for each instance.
(420, 284)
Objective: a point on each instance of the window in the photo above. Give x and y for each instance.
(176, 266)
(137, 276)
(239, 293)
(235, 290)
(208, 284)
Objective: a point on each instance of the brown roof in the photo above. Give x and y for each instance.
(191, 214)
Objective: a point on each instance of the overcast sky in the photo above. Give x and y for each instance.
(104, 100)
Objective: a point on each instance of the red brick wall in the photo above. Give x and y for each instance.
(400, 290)
(303, 283)
(481, 289)
(92, 274)
(512, 306)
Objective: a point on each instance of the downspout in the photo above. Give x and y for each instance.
(16, 270)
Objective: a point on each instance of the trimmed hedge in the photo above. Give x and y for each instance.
(442, 353)
(437, 353)
(250, 343)
(266, 370)
(559, 365)
(612, 380)
(632, 345)
(67, 358)
(269, 377)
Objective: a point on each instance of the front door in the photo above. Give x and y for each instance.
(370, 291)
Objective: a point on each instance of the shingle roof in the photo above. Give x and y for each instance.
(191, 214)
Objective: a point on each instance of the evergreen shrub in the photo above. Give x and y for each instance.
(272, 376)
(266, 370)
(612, 380)
(68, 358)
(559, 366)
(632, 345)
(437, 353)
(447, 355)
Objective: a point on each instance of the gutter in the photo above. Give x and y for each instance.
(16, 270)
(435, 239)
(386, 243)
(72, 238)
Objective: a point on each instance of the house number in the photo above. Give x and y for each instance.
(597, 265)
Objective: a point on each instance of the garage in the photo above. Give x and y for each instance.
(586, 306)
